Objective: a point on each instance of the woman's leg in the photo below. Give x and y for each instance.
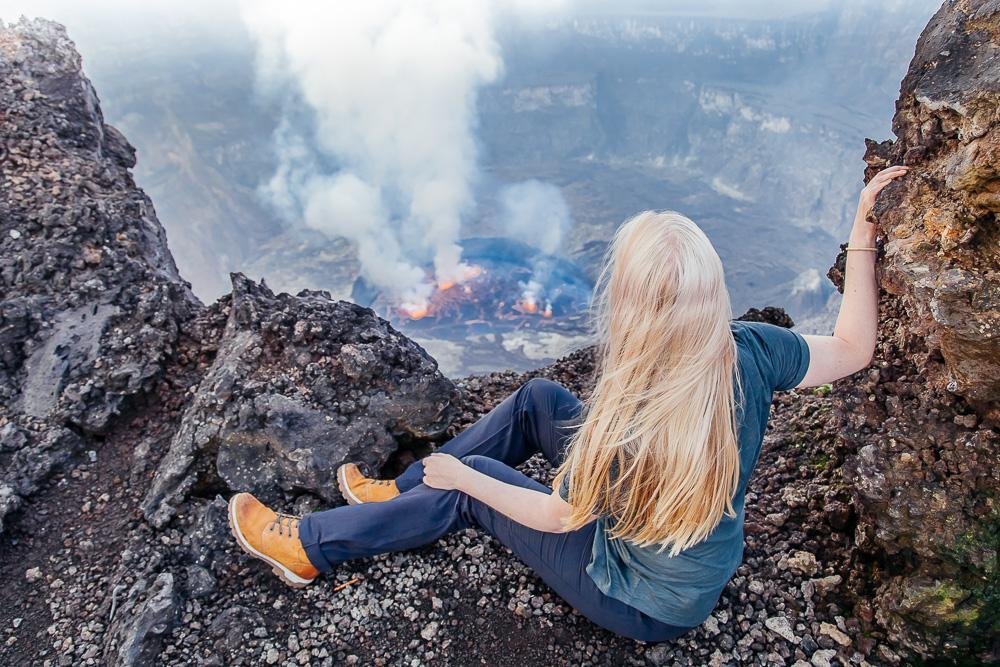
(538, 417)
(422, 515)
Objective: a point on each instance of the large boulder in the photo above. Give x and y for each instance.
(300, 384)
(923, 418)
(90, 299)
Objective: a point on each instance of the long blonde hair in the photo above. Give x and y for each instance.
(657, 449)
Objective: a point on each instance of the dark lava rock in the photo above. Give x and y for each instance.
(90, 298)
(770, 315)
(301, 384)
(148, 613)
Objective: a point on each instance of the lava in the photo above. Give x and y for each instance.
(528, 306)
(418, 311)
(501, 284)
(415, 312)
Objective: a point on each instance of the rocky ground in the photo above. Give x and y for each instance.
(464, 600)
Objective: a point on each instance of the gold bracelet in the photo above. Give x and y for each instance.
(860, 248)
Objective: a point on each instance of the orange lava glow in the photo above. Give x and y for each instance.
(529, 307)
(416, 312)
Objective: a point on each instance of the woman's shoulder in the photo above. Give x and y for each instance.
(781, 354)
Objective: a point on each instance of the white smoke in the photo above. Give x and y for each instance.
(537, 214)
(392, 87)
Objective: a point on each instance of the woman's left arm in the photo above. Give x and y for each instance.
(852, 344)
(537, 510)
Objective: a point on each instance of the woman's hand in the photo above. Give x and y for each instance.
(444, 471)
(879, 181)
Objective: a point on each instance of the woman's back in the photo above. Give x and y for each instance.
(683, 589)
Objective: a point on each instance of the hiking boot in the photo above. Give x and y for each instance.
(357, 489)
(272, 537)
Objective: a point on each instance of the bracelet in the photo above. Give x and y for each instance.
(860, 248)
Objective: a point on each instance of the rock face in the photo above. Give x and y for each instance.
(96, 325)
(90, 298)
(923, 419)
(299, 385)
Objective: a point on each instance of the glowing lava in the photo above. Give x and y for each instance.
(528, 306)
(418, 311)
(415, 311)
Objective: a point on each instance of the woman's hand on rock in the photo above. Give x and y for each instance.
(875, 185)
(444, 471)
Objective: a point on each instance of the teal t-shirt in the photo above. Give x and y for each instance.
(683, 590)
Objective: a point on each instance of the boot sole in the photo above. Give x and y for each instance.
(345, 490)
(282, 572)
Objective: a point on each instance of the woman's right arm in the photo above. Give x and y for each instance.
(852, 344)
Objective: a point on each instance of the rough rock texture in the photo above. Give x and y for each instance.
(90, 298)
(299, 385)
(923, 419)
(105, 353)
(147, 614)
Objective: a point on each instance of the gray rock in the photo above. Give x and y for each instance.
(659, 654)
(273, 425)
(91, 301)
(199, 582)
(429, 631)
(823, 657)
(229, 627)
(781, 627)
(143, 622)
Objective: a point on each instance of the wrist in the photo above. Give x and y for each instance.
(862, 234)
(466, 479)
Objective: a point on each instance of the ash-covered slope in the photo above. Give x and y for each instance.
(924, 418)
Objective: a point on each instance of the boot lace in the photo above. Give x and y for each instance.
(284, 522)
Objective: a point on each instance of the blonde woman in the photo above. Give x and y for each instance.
(643, 527)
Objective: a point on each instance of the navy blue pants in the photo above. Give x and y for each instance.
(538, 417)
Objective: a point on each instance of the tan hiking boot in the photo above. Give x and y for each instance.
(272, 537)
(357, 489)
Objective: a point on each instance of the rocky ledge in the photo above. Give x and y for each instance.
(129, 411)
(923, 419)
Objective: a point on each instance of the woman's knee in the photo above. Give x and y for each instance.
(542, 392)
(483, 464)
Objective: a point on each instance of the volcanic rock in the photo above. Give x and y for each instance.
(922, 420)
(91, 299)
(300, 385)
(149, 611)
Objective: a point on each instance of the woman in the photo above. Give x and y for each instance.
(643, 527)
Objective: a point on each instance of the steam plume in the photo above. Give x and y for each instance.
(536, 213)
(392, 86)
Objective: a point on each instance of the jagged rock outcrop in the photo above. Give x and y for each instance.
(96, 324)
(90, 299)
(142, 621)
(923, 419)
(299, 385)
